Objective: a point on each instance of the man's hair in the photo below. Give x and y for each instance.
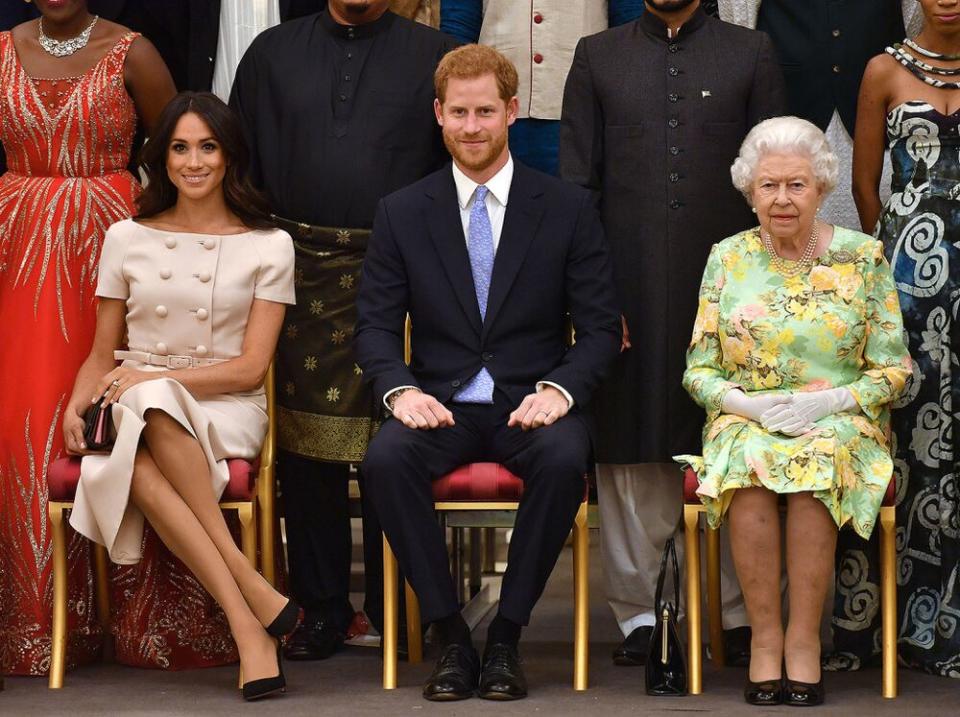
(471, 61)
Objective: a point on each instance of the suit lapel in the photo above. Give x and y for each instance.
(446, 232)
(520, 224)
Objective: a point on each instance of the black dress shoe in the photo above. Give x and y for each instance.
(633, 650)
(501, 677)
(803, 694)
(767, 692)
(455, 675)
(315, 640)
(736, 646)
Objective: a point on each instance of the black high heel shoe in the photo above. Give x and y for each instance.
(257, 689)
(766, 692)
(284, 623)
(804, 694)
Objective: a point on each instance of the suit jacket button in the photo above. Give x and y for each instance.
(455, 383)
(486, 356)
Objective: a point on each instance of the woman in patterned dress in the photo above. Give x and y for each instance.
(71, 90)
(795, 355)
(910, 103)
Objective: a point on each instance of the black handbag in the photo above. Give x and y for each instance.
(98, 426)
(666, 661)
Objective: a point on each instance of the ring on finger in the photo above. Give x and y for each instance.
(115, 382)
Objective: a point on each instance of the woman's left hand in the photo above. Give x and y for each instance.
(115, 383)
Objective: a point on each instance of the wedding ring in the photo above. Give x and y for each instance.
(116, 382)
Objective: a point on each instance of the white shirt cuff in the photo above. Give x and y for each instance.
(389, 393)
(561, 389)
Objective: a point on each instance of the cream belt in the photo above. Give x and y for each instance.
(165, 360)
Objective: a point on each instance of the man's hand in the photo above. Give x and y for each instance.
(416, 409)
(625, 339)
(539, 409)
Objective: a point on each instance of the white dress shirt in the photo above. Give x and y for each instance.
(498, 194)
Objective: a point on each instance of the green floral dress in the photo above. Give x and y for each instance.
(760, 331)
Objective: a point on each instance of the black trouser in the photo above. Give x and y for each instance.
(401, 463)
(317, 516)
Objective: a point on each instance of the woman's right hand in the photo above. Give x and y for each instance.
(73, 431)
(739, 403)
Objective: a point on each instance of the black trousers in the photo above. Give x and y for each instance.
(401, 463)
(316, 512)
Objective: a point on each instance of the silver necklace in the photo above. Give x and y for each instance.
(62, 48)
(794, 268)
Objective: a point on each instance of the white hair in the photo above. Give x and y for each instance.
(785, 135)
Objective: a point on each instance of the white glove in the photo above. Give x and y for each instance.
(800, 414)
(737, 402)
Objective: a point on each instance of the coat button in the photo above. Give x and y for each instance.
(170, 242)
(538, 58)
(201, 350)
(455, 383)
(209, 243)
(836, 69)
(673, 123)
(201, 314)
(165, 273)
(674, 177)
(673, 71)
(675, 204)
(161, 348)
(538, 18)
(486, 356)
(674, 151)
(673, 47)
(836, 33)
(204, 276)
(673, 97)
(161, 310)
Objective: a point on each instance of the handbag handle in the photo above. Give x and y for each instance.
(669, 553)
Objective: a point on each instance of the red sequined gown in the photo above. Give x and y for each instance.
(67, 143)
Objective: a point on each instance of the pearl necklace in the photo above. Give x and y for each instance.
(794, 268)
(928, 53)
(62, 48)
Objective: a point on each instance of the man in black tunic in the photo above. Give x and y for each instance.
(653, 116)
(338, 109)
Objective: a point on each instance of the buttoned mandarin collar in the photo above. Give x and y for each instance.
(498, 185)
(657, 28)
(355, 32)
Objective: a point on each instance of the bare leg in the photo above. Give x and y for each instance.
(811, 541)
(755, 544)
(180, 531)
(181, 461)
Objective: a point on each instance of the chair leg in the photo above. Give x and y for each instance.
(691, 536)
(390, 617)
(476, 560)
(414, 636)
(714, 598)
(266, 519)
(248, 531)
(489, 550)
(58, 647)
(102, 567)
(581, 599)
(888, 599)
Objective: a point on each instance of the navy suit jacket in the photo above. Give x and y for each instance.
(551, 266)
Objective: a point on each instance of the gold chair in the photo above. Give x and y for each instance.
(691, 518)
(251, 492)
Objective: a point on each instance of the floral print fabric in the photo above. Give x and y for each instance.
(760, 331)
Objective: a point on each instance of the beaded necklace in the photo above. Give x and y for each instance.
(795, 268)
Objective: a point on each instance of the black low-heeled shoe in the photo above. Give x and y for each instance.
(765, 692)
(804, 694)
(284, 623)
(257, 689)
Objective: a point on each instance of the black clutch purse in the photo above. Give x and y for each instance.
(666, 662)
(98, 426)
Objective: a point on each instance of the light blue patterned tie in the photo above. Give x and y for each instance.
(480, 247)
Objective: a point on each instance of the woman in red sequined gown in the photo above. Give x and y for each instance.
(67, 123)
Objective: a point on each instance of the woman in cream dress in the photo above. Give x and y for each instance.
(198, 284)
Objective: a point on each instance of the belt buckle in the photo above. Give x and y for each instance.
(179, 362)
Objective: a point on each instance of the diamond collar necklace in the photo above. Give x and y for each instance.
(62, 48)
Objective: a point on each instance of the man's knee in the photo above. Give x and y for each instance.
(393, 446)
(562, 450)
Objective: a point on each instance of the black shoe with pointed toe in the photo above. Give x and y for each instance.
(258, 689)
(803, 694)
(765, 692)
(501, 677)
(285, 621)
(455, 675)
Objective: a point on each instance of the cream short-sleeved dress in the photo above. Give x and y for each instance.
(186, 295)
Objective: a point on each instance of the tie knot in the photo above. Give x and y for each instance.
(480, 193)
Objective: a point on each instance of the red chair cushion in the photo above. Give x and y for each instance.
(690, 485)
(478, 482)
(64, 475)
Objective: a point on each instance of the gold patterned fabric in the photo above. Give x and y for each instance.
(325, 411)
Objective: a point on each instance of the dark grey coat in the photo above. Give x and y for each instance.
(652, 125)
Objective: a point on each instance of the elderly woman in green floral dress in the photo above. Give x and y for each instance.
(796, 355)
